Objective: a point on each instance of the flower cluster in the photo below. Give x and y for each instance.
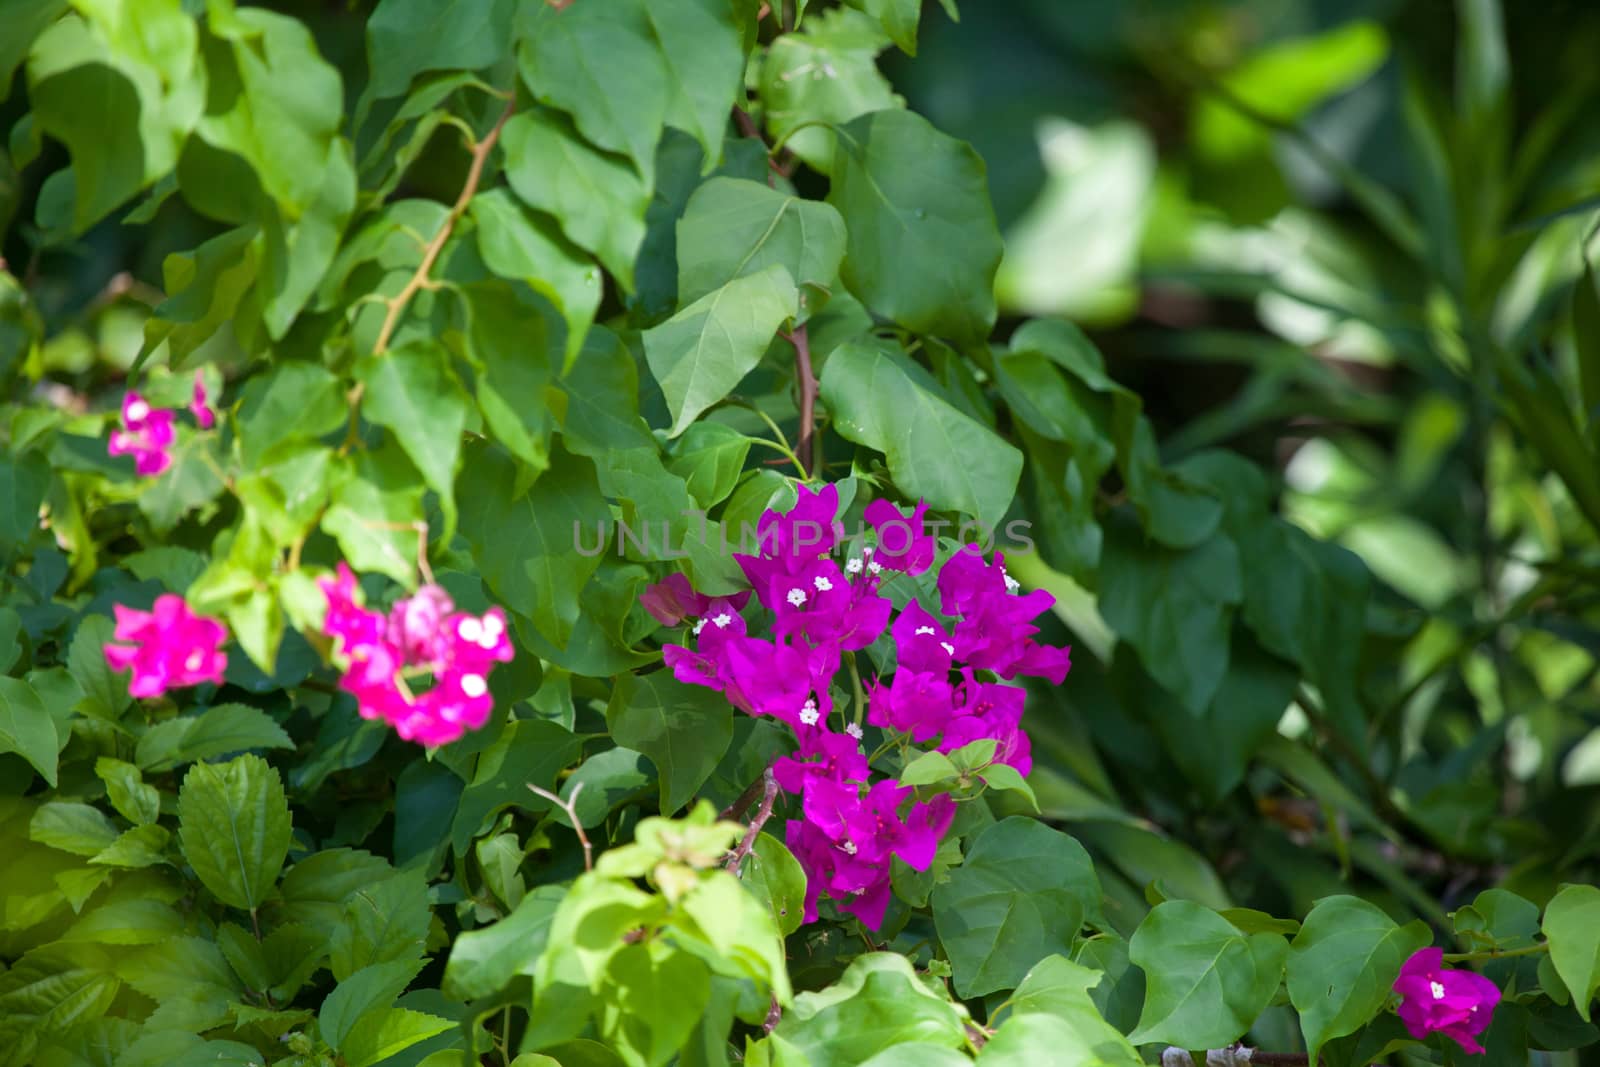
(147, 433)
(171, 647)
(851, 828)
(1457, 1004)
(422, 636)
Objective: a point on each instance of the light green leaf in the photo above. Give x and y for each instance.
(527, 246)
(233, 826)
(379, 1035)
(374, 515)
(598, 199)
(703, 351)
(1342, 964)
(371, 987)
(899, 19)
(135, 921)
(778, 881)
(408, 37)
(142, 846)
(72, 827)
(654, 998)
(26, 728)
(217, 731)
(928, 768)
(414, 393)
(877, 1003)
(528, 751)
(483, 961)
(1205, 981)
(683, 729)
(1572, 926)
(204, 287)
(923, 245)
(826, 73)
(24, 481)
(1022, 893)
(880, 399)
(733, 227)
(293, 401)
(680, 64)
(135, 801)
(509, 338)
(709, 457)
(383, 922)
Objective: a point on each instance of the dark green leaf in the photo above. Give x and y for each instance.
(233, 824)
(217, 731)
(733, 227)
(683, 729)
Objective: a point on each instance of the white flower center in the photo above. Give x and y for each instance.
(1438, 990)
(138, 410)
(473, 685)
(1012, 585)
(853, 730)
(809, 714)
(698, 626)
(853, 566)
(196, 658)
(849, 848)
(930, 631)
(822, 584)
(722, 620)
(948, 647)
(470, 629)
(875, 567)
(797, 597)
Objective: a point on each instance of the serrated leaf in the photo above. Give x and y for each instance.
(234, 828)
(217, 731)
(385, 921)
(372, 987)
(703, 351)
(377, 1036)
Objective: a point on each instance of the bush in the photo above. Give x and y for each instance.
(560, 533)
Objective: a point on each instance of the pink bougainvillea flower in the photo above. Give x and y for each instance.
(849, 828)
(200, 404)
(146, 435)
(170, 647)
(422, 635)
(1457, 1004)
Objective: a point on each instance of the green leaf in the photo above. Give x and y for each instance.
(527, 246)
(218, 731)
(778, 881)
(509, 339)
(709, 457)
(928, 768)
(528, 751)
(379, 1035)
(409, 37)
(899, 19)
(413, 392)
(142, 846)
(923, 245)
(1342, 964)
(528, 545)
(135, 801)
(203, 288)
(371, 987)
(72, 827)
(233, 826)
(374, 515)
(24, 481)
(598, 199)
(826, 73)
(877, 1003)
(703, 351)
(383, 922)
(654, 998)
(24, 20)
(733, 227)
(684, 730)
(1174, 605)
(680, 64)
(137, 921)
(1586, 343)
(879, 398)
(293, 401)
(1205, 981)
(1572, 926)
(26, 728)
(189, 484)
(485, 960)
(1022, 893)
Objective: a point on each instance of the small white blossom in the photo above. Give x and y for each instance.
(875, 567)
(948, 647)
(1438, 990)
(722, 619)
(809, 714)
(698, 626)
(797, 597)
(822, 583)
(473, 685)
(853, 730)
(928, 630)
(852, 566)
(849, 848)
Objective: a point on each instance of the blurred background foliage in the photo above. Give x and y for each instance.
(1344, 238)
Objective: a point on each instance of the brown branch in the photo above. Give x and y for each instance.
(742, 802)
(805, 444)
(774, 1017)
(570, 806)
(769, 794)
(469, 189)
